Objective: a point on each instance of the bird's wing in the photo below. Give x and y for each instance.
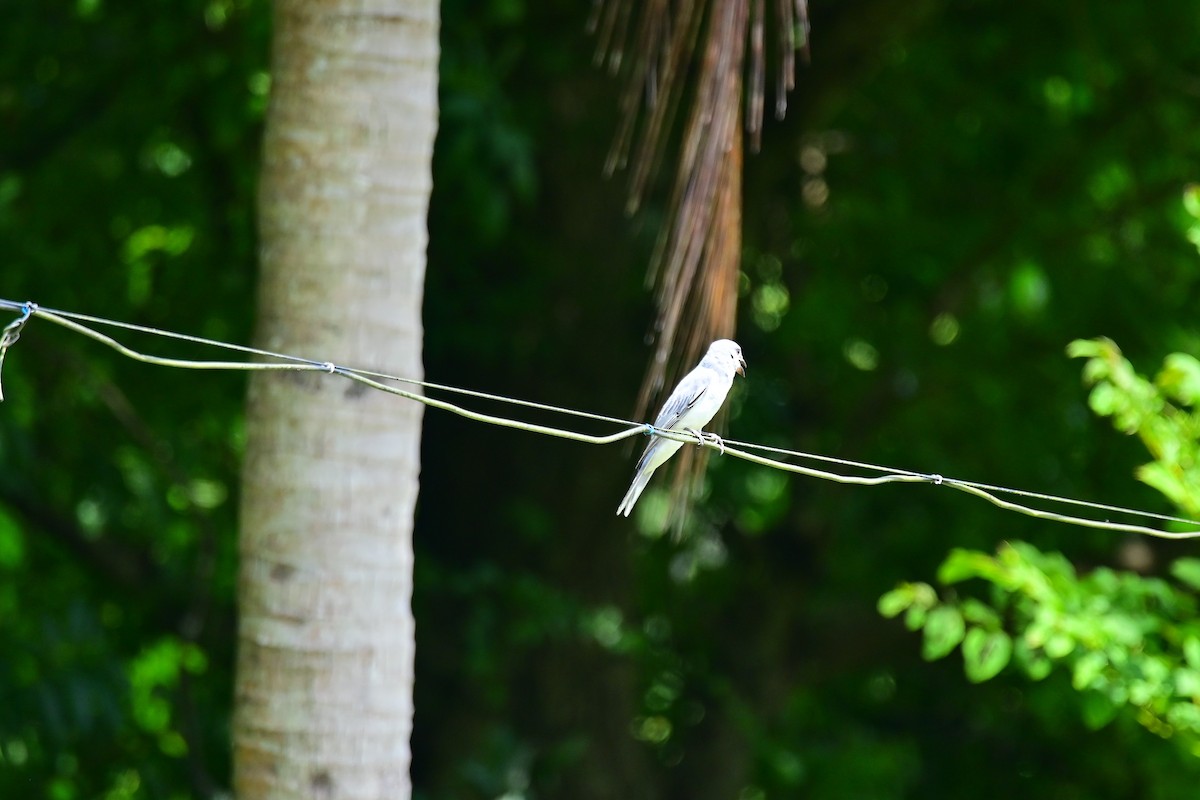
(689, 390)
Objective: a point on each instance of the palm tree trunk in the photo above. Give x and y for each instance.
(324, 684)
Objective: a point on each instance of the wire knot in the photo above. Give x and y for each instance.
(650, 429)
(936, 479)
(329, 367)
(12, 332)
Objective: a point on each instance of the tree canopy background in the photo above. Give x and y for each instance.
(959, 190)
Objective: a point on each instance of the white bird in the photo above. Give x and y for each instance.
(690, 407)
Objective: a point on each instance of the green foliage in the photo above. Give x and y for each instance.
(127, 175)
(1164, 413)
(1128, 642)
(1125, 640)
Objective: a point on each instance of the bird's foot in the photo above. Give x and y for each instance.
(703, 438)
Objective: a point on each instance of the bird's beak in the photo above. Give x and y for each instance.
(741, 370)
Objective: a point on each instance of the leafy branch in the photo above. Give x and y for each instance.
(1128, 641)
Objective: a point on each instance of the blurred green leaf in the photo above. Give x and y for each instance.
(961, 565)
(1187, 682)
(1187, 570)
(1104, 399)
(1059, 646)
(895, 601)
(1165, 479)
(1098, 710)
(915, 617)
(985, 653)
(1087, 348)
(1191, 651)
(1032, 660)
(980, 613)
(1087, 670)
(1180, 378)
(944, 629)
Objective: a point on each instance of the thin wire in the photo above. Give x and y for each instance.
(972, 484)
(324, 366)
(73, 321)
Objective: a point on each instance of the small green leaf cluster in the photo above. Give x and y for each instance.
(1128, 641)
(1164, 413)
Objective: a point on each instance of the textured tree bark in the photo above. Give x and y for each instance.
(323, 705)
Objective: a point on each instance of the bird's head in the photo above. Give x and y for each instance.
(728, 351)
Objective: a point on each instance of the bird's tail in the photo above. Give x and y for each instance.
(635, 491)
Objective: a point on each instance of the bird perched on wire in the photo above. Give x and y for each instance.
(690, 407)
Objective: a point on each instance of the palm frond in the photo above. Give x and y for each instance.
(694, 268)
